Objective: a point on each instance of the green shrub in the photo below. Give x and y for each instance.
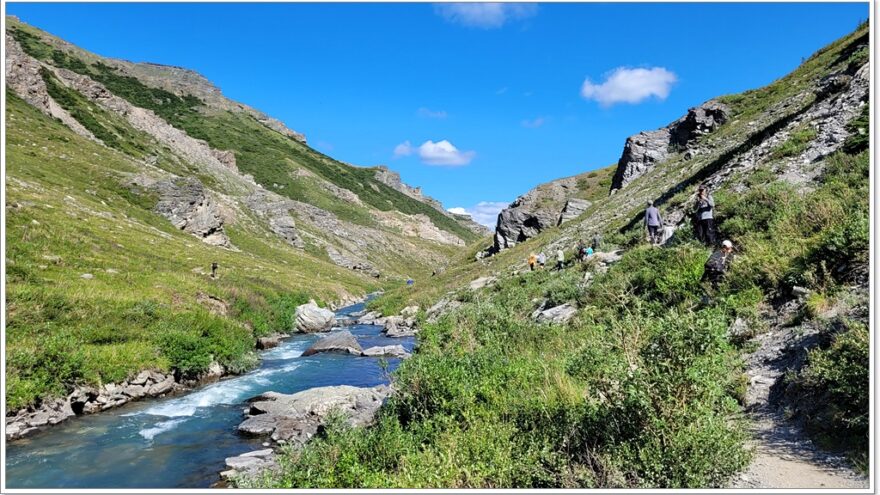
(833, 390)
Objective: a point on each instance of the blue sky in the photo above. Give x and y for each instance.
(476, 103)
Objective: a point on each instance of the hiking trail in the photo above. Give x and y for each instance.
(784, 456)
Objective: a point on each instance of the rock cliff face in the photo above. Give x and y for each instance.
(548, 205)
(646, 149)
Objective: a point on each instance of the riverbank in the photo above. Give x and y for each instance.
(147, 383)
(183, 441)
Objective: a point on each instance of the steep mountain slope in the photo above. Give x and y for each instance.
(628, 370)
(126, 181)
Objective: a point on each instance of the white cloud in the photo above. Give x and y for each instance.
(439, 153)
(403, 149)
(501, 91)
(444, 153)
(534, 123)
(484, 212)
(485, 15)
(624, 85)
(427, 113)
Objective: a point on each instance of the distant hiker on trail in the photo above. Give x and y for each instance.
(704, 216)
(597, 241)
(410, 282)
(588, 252)
(560, 259)
(542, 259)
(716, 265)
(532, 260)
(653, 223)
(579, 250)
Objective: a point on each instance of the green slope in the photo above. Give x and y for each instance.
(643, 388)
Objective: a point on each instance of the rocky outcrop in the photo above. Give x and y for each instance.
(646, 149)
(294, 419)
(250, 463)
(558, 315)
(481, 282)
(342, 341)
(537, 210)
(186, 204)
(310, 318)
(345, 261)
(573, 209)
(392, 179)
(23, 76)
(276, 210)
(87, 400)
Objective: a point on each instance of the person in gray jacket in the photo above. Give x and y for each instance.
(704, 216)
(653, 223)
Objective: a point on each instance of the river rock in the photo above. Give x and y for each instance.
(409, 311)
(250, 463)
(310, 318)
(295, 418)
(396, 351)
(162, 387)
(341, 341)
(269, 341)
(559, 314)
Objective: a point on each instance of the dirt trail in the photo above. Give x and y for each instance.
(784, 456)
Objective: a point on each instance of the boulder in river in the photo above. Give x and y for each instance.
(341, 341)
(295, 418)
(396, 351)
(310, 318)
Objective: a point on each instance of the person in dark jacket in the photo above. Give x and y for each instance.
(653, 223)
(704, 213)
(597, 241)
(717, 264)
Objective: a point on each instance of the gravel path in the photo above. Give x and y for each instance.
(784, 456)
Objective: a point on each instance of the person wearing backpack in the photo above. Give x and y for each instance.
(560, 259)
(533, 258)
(717, 264)
(704, 216)
(653, 223)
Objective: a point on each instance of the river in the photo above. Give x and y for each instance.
(182, 441)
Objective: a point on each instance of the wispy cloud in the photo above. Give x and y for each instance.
(484, 212)
(439, 153)
(403, 149)
(427, 113)
(501, 91)
(534, 123)
(625, 85)
(488, 15)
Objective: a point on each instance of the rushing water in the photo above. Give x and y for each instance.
(183, 441)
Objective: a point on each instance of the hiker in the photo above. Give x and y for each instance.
(532, 260)
(597, 240)
(588, 252)
(653, 223)
(579, 250)
(410, 282)
(560, 259)
(716, 265)
(704, 217)
(542, 259)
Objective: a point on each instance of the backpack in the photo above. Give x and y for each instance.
(716, 263)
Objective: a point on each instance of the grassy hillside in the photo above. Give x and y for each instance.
(268, 156)
(643, 388)
(69, 214)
